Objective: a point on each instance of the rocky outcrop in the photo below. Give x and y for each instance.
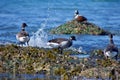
(75, 27)
(31, 60)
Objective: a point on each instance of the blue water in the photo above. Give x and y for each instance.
(47, 14)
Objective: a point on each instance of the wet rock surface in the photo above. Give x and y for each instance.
(33, 60)
(75, 27)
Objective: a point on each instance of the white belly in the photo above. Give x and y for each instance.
(64, 44)
(24, 39)
(76, 16)
(53, 45)
(110, 54)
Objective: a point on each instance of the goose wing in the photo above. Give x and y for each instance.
(111, 47)
(58, 40)
(22, 33)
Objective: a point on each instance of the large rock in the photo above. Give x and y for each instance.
(74, 27)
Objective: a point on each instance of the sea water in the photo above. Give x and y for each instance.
(52, 13)
(43, 15)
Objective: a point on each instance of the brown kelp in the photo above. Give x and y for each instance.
(33, 60)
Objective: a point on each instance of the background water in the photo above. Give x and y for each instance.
(42, 15)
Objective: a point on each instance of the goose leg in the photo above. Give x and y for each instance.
(61, 50)
(27, 44)
(20, 44)
(116, 57)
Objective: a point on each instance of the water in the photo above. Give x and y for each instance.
(42, 15)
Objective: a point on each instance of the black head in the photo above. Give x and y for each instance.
(73, 38)
(76, 12)
(24, 25)
(111, 36)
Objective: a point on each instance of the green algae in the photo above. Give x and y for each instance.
(32, 60)
(74, 27)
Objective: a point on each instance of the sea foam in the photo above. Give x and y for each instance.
(39, 39)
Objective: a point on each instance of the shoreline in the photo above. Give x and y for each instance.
(32, 60)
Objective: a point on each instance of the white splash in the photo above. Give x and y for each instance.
(80, 50)
(39, 39)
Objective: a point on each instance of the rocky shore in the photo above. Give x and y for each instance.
(32, 60)
(74, 27)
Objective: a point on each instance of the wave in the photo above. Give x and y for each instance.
(39, 38)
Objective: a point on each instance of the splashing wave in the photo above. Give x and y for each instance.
(39, 39)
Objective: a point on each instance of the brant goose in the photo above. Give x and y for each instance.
(111, 50)
(61, 43)
(23, 37)
(78, 17)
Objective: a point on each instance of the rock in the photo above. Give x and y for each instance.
(32, 60)
(74, 27)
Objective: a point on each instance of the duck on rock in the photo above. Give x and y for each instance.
(78, 17)
(23, 37)
(111, 50)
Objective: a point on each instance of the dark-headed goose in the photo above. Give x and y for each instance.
(111, 50)
(23, 37)
(61, 43)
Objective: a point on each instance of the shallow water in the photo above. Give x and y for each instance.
(49, 14)
(81, 55)
(42, 15)
(6, 76)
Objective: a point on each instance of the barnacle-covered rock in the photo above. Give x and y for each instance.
(74, 27)
(32, 60)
